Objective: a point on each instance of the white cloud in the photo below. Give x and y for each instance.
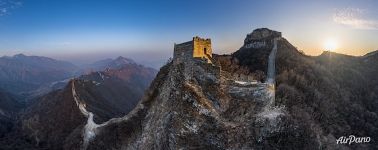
(3, 11)
(7, 5)
(354, 17)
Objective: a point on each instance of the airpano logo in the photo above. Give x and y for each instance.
(352, 139)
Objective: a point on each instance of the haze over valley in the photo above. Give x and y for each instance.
(115, 75)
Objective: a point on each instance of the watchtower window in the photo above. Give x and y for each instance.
(204, 50)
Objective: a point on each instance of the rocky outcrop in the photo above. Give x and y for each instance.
(320, 93)
(310, 103)
(260, 38)
(251, 60)
(262, 33)
(193, 105)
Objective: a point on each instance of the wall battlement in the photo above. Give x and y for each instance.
(196, 38)
(199, 48)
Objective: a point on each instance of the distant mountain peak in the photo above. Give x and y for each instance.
(109, 63)
(23, 56)
(334, 54)
(260, 38)
(19, 55)
(263, 33)
(121, 59)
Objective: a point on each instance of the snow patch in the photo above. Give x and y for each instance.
(96, 83)
(204, 111)
(271, 114)
(191, 127)
(241, 82)
(201, 109)
(246, 83)
(101, 75)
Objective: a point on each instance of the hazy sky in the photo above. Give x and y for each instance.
(85, 30)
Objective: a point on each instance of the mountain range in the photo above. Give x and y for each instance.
(314, 102)
(108, 63)
(265, 95)
(112, 90)
(21, 73)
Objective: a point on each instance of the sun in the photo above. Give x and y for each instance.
(330, 44)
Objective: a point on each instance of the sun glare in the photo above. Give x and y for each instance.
(330, 44)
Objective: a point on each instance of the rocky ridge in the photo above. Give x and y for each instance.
(197, 105)
(194, 105)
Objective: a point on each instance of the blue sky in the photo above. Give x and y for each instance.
(85, 30)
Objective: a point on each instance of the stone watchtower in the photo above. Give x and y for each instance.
(197, 48)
